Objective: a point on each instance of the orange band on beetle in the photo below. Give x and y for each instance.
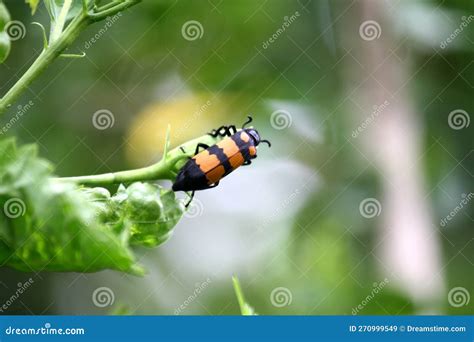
(206, 161)
(229, 147)
(215, 175)
(253, 151)
(236, 160)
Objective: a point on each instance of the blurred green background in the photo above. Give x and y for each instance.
(292, 226)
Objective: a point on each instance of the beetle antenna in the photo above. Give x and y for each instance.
(249, 120)
(267, 142)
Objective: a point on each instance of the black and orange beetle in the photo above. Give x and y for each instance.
(209, 166)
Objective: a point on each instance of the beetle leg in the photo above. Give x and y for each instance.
(232, 130)
(223, 131)
(201, 145)
(247, 162)
(217, 132)
(190, 200)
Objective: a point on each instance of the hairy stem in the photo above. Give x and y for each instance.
(46, 57)
(166, 169)
(159, 171)
(59, 41)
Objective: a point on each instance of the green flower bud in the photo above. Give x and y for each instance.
(4, 16)
(4, 46)
(152, 212)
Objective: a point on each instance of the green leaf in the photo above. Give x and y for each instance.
(5, 46)
(50, 226)
(54, 7)
(4, 16)
(147, 209)
(245, 308)
(33, 4)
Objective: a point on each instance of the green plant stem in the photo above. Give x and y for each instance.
(161, 170)
(239, 293)
(46, 57)
(59, 41)
(166, 169)
(114, 8)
